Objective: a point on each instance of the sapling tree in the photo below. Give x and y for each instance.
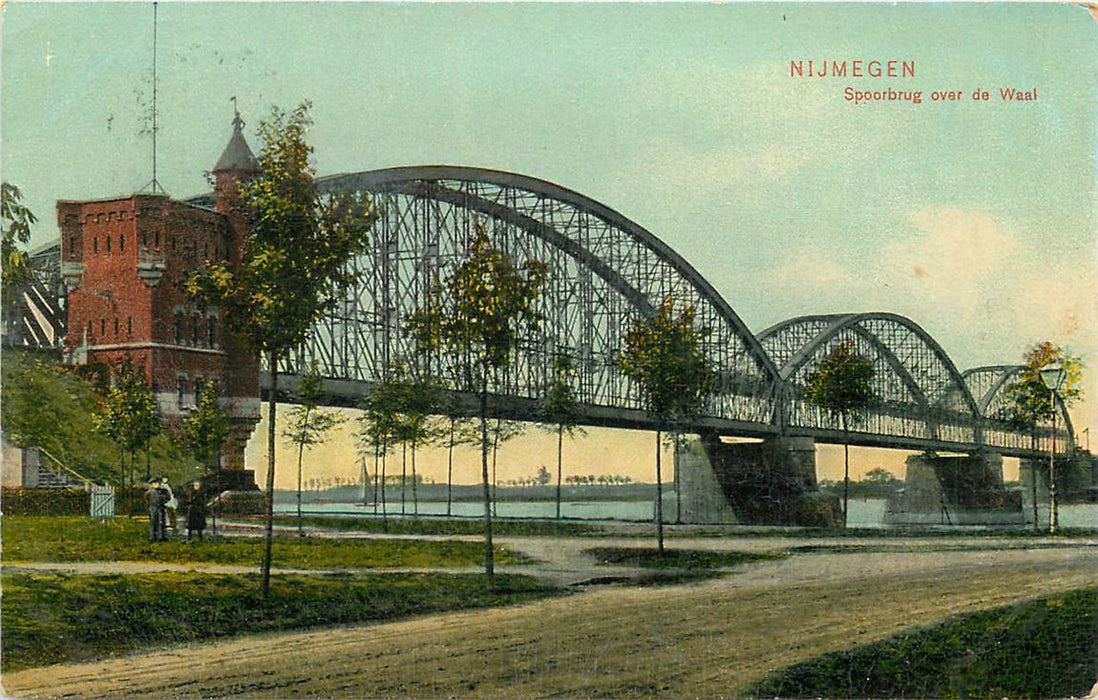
(204, 431)
(129, 415)
(664, 356)
(476, 317)
(294, 263)
(560, 410)
(1033, 402)
(307, 423)
(841, 386)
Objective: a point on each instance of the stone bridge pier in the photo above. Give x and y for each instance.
(955, 490)
(772, 482)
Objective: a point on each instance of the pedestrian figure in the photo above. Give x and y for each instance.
(196, 512)
(157, 497)
(170, 504)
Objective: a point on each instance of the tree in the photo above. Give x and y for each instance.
(841, 386)
(15, 221)
(308, 424)
(377, 429)
(294, 263)
(206, 427)
(205, 430)
(1032, 402)
(559, 409)
(418, 397)
(879, 475)
(475, 317)
(129, 416)
(663, 355)
(543, 478)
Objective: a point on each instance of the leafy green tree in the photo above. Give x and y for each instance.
(1032, 402)
(294, 263)
(842, 387)
(543, 478)
(206, 428)
(377, 431)
(664, 357)
(476, 317)
(559, 409)
(129, 416)
(416, 398)
(307, 424)
(204, 431)
(15, 221)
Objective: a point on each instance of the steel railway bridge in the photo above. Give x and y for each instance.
(605, 271)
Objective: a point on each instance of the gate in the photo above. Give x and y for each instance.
(102, 501)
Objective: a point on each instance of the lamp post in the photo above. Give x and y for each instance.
(1053, 377)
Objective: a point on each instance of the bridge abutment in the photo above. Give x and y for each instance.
(955, 490)
(772, 482)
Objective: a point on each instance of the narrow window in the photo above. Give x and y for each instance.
(181, 391)
(194, 330)
(102, 327)
(116, 326)
(197, 390)
(95, 244)
(108, 242)
(72, 244)
(145, 238)
(178, 327)
(156, 239)
(213, 332)
(121, 242)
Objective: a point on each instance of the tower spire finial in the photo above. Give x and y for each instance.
(238, 123)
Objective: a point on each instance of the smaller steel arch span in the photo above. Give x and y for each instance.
(827, 334)
(393, 178)
(836, 323)
(1004, 372)
(1006, 375)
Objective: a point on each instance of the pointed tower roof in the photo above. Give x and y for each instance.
(237, 156)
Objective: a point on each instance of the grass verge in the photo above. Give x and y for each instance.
(73, 539)
(1039, 649)
(441, 526)
(689, 559)
(53, 618)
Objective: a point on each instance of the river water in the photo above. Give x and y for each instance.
(865, 513)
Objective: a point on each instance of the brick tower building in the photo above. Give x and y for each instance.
(126, 261)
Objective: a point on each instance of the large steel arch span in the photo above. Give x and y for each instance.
(921, 399)
(605, 271)
(990, 386)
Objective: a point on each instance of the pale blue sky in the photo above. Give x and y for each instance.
(976, 220)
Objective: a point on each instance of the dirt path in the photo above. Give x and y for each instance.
(702, 640)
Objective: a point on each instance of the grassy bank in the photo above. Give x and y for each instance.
(72, 539)
(441, 526)
(690, 559)
(54, 618)
(1042, 649)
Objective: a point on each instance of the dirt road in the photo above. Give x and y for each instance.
(701, 640)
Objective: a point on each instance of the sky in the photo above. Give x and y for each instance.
(976, 219)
